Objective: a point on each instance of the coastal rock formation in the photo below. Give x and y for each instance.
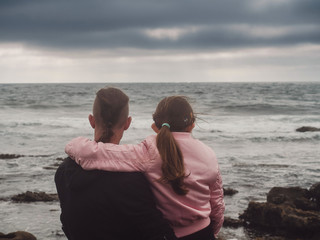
(307, 129)
(35, 197)
(289, 211)
(19, 235)
(53, 166)
(294, 197)
(314, 192)
(232, 223)
(10, 156)
(229, 191)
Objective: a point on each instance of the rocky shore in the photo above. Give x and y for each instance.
(35, 197)
(19, 235)
(289, 213)
(27, 197)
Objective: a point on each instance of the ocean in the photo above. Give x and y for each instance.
(250, 126)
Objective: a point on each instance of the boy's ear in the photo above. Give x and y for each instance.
(92, 121)
(154, 128)
(128, 122)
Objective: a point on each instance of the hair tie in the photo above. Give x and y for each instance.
(165, 124)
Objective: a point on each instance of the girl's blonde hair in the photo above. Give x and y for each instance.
(177, 112)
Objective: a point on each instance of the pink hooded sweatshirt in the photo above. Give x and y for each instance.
(187, 214)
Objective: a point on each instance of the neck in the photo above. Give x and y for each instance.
(115, 139)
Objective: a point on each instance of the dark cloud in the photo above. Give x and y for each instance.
(123, 23)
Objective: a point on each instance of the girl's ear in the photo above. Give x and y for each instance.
(190, 127)
(127, 124)
(92, 121)
(154, 128)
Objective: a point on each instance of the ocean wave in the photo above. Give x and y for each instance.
(265, 109)
(313, 170)
(263, 165)
(304, 138)
(13, 156)
(26, 124)
(45, 106)
(238, 137)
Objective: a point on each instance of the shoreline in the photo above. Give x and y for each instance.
(255, 222)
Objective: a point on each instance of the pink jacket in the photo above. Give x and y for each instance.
(187, 214)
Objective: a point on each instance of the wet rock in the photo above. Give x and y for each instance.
(289, 211)
(229, 191)
(35, 197)
(307, 129)
(315, 193)
(19, 235)
(215, 131)
(294, 197)
(10, 156)
(53, 166)
(282, 218)
(232, 223)
(58, 233)
(221, 237)
(270, 238)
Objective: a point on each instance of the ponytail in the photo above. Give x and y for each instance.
(173, 171)
(177, 112)
(107, 132)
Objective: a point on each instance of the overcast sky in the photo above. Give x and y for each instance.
(159, 40)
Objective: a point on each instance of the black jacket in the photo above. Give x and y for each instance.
(107, 205)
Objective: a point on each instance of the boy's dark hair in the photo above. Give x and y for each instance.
(110, 110)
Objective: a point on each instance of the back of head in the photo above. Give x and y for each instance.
(110, 110)
(177, 112)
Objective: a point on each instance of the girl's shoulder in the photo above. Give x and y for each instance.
(204, 146)
(151, 144)
(150, 140)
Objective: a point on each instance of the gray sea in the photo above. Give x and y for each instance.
(250, 126)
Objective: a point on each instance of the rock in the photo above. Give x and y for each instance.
(10, 156)
(288, 211)
(19, 235)
(315, 193)
(53, 166)
(265, 215)
(269, 216)
(221, 237)
(295, 197)
(215, 131)
(35, 197)
(4, 199)
(232, 223)
(270, 238)
(308, 129)
(229, 191)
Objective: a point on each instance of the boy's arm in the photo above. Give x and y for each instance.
(217, 204)
(107, 156)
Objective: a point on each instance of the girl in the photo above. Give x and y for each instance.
(183, 172)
